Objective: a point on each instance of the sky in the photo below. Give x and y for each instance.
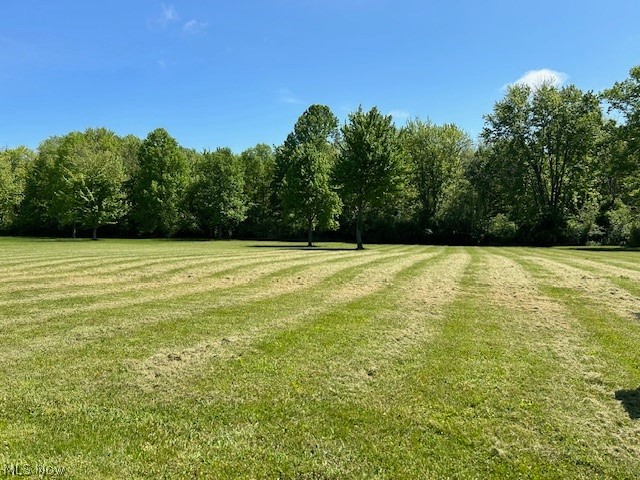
(234, 74)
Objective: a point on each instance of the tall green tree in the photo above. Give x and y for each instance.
(436, 156)
(624, 97)
(216, 195)
(304, 164)
(43, 180)
(93, 174)
(160, 185)
(624, 138)
(542, 144)
(258, 164)
(14, 164)
(308, 200)
(317, 127)
(369, 169)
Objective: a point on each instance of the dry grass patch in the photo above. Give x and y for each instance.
(322, 287)
(116, 317)
(597, 288)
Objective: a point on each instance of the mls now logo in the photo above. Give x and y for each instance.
(26, 470)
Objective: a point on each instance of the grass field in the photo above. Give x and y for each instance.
(169, 359)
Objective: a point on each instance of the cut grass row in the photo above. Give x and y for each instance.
(223, 360)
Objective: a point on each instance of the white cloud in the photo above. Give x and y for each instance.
(286, 96)
(534, 79)
(162, 63)
(399, 114)
(193, 27)
(167, 15)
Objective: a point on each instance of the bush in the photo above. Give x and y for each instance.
(582, 227)
(501, 230)
(634, 236)
(620, 223)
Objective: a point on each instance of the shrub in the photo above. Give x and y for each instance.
(501, 229)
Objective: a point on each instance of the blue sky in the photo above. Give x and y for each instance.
(218, 73)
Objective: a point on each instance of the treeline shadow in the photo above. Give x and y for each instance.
(606, 249)
(630, 400)
(300, 247)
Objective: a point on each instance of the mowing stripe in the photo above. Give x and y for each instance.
(90, 324)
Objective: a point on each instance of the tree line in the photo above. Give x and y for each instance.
(553, 165)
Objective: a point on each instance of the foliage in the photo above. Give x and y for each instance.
(542, 143)
(258, 164)
(624, 97)
(13, 169)
(501, 230)
(455, 219)
(304, 164)
(620, 220)
(435, 156)
(582, 226)
(160, 185)
(547, 169)
(93, 174)
(369, 170)
(76, 180)
(634, 234)
(42, 181)
(317, 128)
(308, 201)
(216, 195)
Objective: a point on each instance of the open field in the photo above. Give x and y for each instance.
(169, 359)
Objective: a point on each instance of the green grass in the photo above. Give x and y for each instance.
(177, 359)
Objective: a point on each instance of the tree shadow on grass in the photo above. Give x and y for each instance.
(606, 249)
(300, 247)
(630, 400)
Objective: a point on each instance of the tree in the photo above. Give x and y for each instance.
(216, 196)
(542, 143)
(258, 164)
(93, 175)
(42, 181)
(13, 169)
(307, 197)
(160, 184)
(304, 164)
(624, 138)
(436, 156)
(369, 169)
(624, 97)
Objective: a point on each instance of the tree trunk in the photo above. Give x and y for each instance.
(358, 235)
(310, 236)
(95, 233)
(73, 235)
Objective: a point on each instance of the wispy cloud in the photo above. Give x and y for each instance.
(162, 63)
(168, 15)
(399, 114)
(285, 95)
(534, 79)
(194, 27)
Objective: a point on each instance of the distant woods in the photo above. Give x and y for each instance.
(553, 165)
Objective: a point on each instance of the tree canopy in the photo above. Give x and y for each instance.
(553, 164)
(369, 169)
(160, 185)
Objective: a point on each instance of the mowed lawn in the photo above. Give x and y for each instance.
(179, 359)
